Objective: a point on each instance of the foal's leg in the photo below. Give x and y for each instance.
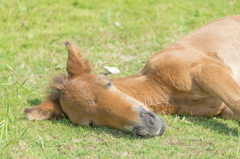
(216, 80)
(50, 109)
(227, 114)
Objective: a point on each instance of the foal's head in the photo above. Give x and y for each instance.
(92, 99)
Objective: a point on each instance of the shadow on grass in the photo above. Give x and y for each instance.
(211, 124)
(101, 130)
(214, 125)
(34, 102)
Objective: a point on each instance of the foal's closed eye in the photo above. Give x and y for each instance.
(104, 81)
(108, 83)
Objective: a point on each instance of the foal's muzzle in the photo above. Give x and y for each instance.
(151, 124)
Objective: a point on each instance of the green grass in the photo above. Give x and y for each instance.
(32, 36)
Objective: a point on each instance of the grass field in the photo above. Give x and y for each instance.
(123, 34)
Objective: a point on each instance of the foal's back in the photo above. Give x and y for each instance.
(216, 42)
(219, 40)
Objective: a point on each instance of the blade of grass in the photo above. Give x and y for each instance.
(16, 113)
(2, 132)
(26, 90)
(1, 51)
(10, 119)
(10, 93)
(24, 132)
(20, 49)
(29, 149)
(9, 113)
(10, 12)
(6, 146)
(6, 130)
(10, 67)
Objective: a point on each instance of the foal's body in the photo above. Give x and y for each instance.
(199, 75)
(173, 79)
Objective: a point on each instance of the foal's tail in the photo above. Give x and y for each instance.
(51, 108)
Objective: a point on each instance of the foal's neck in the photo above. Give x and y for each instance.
(143, 89)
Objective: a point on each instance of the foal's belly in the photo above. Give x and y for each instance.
(208, 107)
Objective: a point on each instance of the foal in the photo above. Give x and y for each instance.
(199, 75)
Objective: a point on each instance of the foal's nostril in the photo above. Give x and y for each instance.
(150, 116)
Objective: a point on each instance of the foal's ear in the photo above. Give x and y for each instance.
(76, 63)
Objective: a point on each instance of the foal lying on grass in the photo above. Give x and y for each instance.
(199, 75)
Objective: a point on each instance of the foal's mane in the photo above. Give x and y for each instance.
(57, 86)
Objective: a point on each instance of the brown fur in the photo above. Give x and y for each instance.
(199, 75)
(49, 109)
(75, 61)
